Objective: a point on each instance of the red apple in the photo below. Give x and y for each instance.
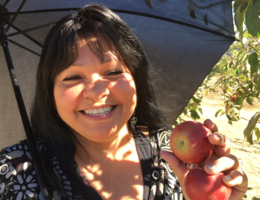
(202, 186)
(233, 97)
(189, 142)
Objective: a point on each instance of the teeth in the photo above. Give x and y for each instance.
(100, 111)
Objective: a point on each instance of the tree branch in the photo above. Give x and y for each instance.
(258, 121)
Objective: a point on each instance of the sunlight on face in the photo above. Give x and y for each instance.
(95, 98)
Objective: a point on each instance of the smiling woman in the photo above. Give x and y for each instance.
(93, 82)
(98, 97)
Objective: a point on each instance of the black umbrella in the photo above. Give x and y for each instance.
(183, 40)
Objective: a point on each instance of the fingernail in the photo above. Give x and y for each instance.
(227, 178)
(216, 135)
(211, 166)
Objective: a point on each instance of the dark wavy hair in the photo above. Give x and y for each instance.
(59, 52)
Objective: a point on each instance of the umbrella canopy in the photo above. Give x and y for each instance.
(183, 40)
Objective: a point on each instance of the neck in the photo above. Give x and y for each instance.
(92, 151)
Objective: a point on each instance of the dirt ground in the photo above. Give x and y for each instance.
(250, 154)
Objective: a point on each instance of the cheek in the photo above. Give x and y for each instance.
(67, 95)
(125, 91)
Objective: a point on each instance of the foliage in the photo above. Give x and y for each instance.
(193, 109)
(238, 71)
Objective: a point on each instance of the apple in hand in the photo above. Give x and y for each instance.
(189, 142)
(202, 186)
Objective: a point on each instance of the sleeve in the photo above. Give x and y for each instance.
(18, 178)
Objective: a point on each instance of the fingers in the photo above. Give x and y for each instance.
(236, 178)
(218, 139)
(231, 166)
(238, 181)
(210, 125)
(228, 163)
(221, 142)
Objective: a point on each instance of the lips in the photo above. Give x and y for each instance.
(99, 111)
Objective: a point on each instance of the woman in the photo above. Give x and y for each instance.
(92, 84)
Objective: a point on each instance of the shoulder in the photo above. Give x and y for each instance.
(20, 151)
(17, 174)
(13, 156)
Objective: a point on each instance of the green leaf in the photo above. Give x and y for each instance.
(237, 4)
(194, 114)
(236, 118)
(185, 111)
(175, 123)
(200, 110)
(253, 61)
(239, 101)
(257, 133)
(248, 132)
(230, 119)
(222, 113)
(196, 100)
(239, 20)
(240, 8)
(249, 100)
(244, 6)
(229, 91)
(256, 78)
(258, 84)
(237, 72)
(217, 113)
(252, 18)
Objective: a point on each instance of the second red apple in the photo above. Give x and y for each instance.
(202, 186)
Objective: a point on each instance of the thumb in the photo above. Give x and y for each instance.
(177, 166)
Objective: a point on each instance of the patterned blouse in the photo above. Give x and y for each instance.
(18, 178)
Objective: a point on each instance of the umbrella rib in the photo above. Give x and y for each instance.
(23, 47)
(6, 2)
(15, 15)
(231, 36)
(45, 10)
(30, 29)
(29, 37)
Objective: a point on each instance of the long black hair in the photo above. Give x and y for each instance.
(59, 52)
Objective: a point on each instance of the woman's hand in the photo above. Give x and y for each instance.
(221, 160)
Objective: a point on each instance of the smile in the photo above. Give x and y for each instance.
(99, 111)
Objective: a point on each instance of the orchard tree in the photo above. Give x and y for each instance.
(238, 71)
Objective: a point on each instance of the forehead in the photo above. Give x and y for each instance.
(94, 50)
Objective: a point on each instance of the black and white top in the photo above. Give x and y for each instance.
(18, 178)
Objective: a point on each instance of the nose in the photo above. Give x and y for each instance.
(96, 90)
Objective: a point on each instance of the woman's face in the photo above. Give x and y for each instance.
(95, 99)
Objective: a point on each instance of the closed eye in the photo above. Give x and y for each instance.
(72, 78)
(114, 72)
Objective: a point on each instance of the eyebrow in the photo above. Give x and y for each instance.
(105, 60)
